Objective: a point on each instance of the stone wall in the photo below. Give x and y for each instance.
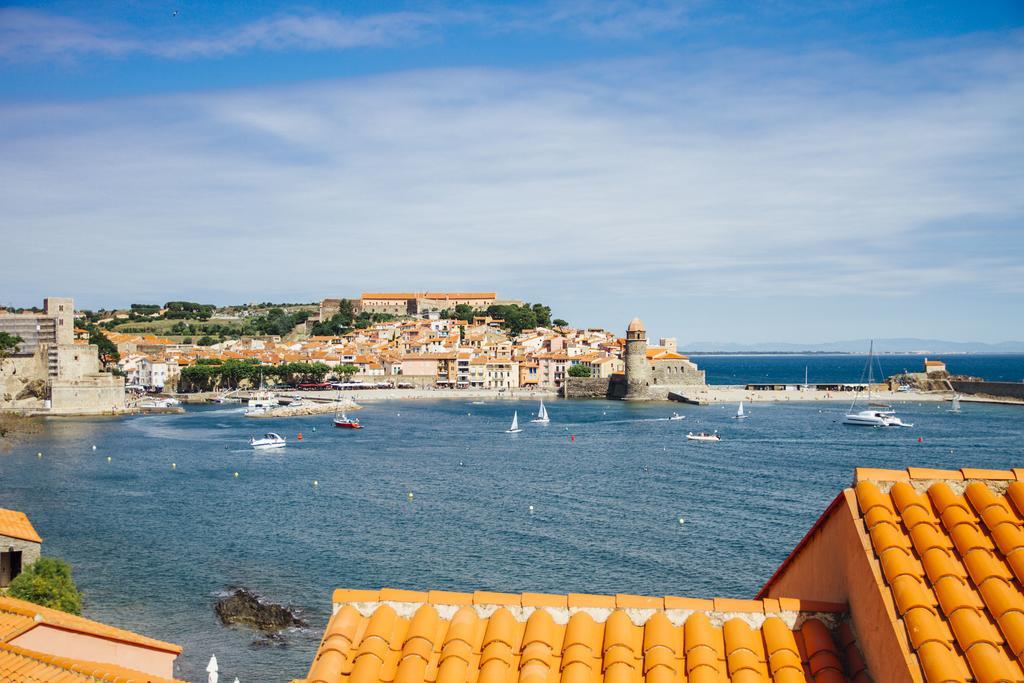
(586, 387)
(29, 551)
(682, 373)
(1009, 390)
(99, 394)
(77, 360)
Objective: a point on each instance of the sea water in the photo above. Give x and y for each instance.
(153, 547)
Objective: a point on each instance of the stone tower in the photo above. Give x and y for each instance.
(638, 373)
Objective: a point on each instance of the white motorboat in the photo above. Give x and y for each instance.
(879, 416)
(269, 440)
(739, 413)
(514, 429)
(677, 416)
(542, 415)
(261, 402)
(703, 436)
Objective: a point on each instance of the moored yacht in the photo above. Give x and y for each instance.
(345, 422)
(879, 416)
(261, 402)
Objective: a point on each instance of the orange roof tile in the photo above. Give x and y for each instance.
(951, 555)
(19, 616)
(505, 637)
(14, 524)
(18, 665)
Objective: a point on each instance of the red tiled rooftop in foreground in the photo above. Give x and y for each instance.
(411, 637)
(909, 575)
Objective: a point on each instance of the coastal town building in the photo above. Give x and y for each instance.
(42, 644)
(52, 372)
(646, 372)
(20, 545)
(908, 575)
(934, 367)
(442, 353)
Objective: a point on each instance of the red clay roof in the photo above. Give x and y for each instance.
(15, 524)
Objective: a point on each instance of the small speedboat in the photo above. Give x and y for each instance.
(703, 436)
(514, 429)
(677, 416)
(345, 422)
(269, 440)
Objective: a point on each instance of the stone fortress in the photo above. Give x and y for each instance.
(49, 373)
(651, 373)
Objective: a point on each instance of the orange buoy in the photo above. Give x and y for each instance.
(300, 436)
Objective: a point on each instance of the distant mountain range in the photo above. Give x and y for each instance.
(897, 345)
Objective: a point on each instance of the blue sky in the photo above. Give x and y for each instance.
(769, 171)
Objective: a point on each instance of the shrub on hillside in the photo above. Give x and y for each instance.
(48, 582)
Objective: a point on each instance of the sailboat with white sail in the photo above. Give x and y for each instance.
(880, 415)
(542, 415)
(514, 429)
(956, 404)
(740, 415)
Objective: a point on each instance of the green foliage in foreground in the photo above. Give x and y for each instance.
(48, 582)
(579, 370)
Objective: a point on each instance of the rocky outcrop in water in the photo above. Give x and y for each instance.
(245, 607)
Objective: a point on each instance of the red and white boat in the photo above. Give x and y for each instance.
(346, 422)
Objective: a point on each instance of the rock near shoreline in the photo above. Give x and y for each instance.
(245, 607)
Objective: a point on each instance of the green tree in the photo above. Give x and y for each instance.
(206, 340)
(48, 582)
(579, 370)
(346, 371)
(558, 322)
(464, 312)
(107, 349)
(8, 345)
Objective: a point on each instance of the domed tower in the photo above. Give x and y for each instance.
(638, 373)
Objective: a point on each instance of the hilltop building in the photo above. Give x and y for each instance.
(908, 576)
(935, 367)
(20, 545)
(401, 304)
(52, 373)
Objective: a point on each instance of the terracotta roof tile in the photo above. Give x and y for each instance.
(18, 616)
(15, 524)
(948, 560)
(573, 638)
(18, 665)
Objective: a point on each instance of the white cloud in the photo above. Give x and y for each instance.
(750, 175)
(27, 35)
